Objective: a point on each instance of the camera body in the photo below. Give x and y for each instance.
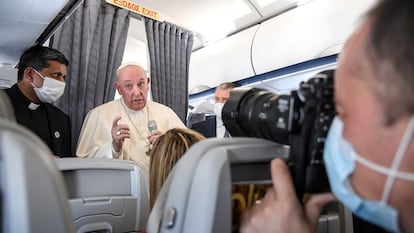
(300, 119)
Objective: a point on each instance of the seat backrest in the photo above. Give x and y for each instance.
(204, 123)
(196, 197)
(6, 109)
(33, 196)
(106, 195)
(197, 194)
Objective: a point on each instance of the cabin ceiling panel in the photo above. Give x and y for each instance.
(214, 20)
(21, 23)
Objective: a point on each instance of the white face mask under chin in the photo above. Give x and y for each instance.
(50, 91)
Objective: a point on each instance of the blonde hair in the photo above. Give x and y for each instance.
(166, 151)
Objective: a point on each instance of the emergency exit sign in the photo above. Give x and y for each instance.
(132, 6)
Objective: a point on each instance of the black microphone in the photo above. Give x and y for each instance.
(152, 126)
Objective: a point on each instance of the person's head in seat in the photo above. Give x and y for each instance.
(166, 151)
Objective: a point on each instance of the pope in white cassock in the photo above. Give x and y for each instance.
(119, 129)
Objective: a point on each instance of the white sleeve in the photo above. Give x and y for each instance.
(95, 141)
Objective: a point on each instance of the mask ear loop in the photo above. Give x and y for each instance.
(399, 155)
(37, 72)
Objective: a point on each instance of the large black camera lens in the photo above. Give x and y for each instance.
(300, 119)
(254, 112)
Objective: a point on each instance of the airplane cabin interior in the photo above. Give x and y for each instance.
(275, 45)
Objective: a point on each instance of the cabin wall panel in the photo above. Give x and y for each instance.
(227, 60)
(316, 29)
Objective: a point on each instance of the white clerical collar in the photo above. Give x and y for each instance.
(33, 106)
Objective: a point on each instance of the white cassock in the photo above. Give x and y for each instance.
(95, 139)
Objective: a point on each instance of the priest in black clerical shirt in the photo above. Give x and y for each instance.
(41, 81)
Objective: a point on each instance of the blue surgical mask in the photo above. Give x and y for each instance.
(340, 158)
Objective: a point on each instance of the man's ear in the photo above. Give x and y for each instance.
(117, 86)
(28, 74)
(148, 80)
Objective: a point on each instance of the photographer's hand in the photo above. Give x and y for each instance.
(280, 210)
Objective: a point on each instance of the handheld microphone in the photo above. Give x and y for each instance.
(152, 126)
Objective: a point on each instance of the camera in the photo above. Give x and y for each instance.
(300, 120)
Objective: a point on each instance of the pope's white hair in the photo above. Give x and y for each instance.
(123, 65)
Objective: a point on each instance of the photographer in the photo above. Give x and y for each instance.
(369, 152)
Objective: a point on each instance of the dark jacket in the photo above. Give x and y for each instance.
(59, 138)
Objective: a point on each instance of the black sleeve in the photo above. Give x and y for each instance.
(362, 226)
(66, 147)
(62, 142)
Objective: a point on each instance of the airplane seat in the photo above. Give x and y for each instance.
(204, 123)
(32, 195)
(196, 196)
(106, 195)
(335, 218)
(6, 108)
